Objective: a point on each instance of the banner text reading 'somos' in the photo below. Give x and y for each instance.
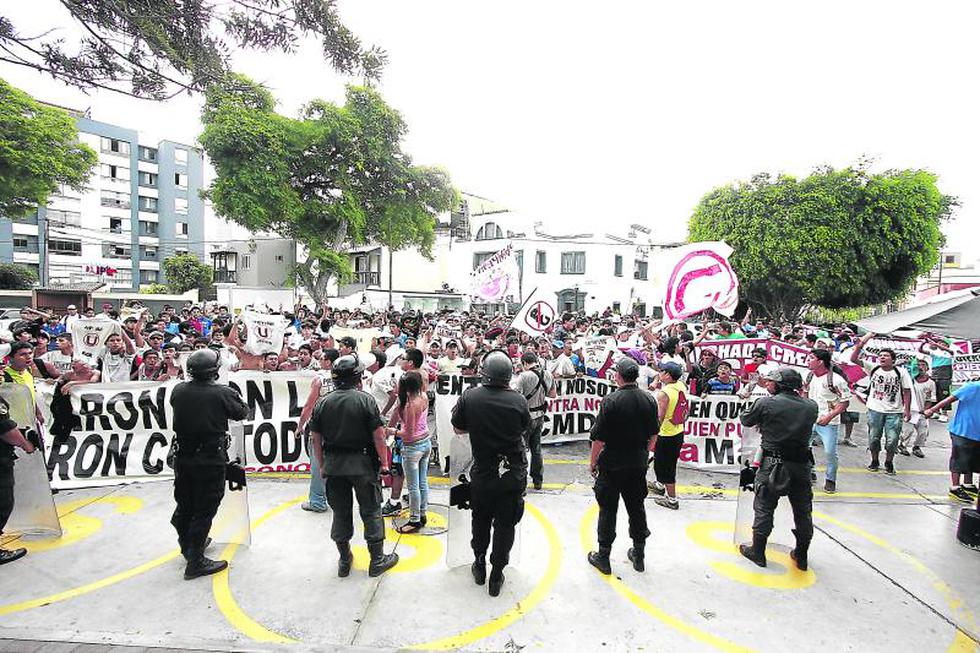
(127, 429)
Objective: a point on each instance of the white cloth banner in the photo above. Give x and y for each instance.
(698, 277)
(496, 278)
(264, 332)
(536, 316)
(89, 336)
(363, 337)
(966, 368)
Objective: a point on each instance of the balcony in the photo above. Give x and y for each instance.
(362, 281)
(225, 276)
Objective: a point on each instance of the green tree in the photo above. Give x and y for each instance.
(184, 272)
(14, 276)
(837, 238)
(39, 149)
(160, 48)
(333, 179)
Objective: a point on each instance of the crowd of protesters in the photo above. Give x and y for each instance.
(900, 396)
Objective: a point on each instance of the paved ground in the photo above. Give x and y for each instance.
(886, 574)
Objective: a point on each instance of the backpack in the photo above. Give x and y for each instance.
(681, 409)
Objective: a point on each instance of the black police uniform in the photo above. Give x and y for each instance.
(627, 419)
(496, 419)
(201, 413)
(346, 420)
(7, 458)
(785, 421)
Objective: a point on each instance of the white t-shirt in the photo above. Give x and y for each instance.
(115, 368)
(562, 366)
(885, 388)
(922, 393)
(384, 381)
(58, 361)
(828, 391)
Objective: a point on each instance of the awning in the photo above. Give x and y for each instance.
(955, 314)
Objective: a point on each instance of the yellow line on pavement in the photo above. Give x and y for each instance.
(585, 535)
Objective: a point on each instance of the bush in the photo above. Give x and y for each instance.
(14, 276)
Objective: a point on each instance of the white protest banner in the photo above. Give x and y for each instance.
(496, 278)
(363, 337)
(738, 351)
(905, 348)
(600, 353)
(713, 432)
(966, 368)
(126, 430)
(448, 331)
(264, 332)
(535, 317)
(88, 335)
(699, 277)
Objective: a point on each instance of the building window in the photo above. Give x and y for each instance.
(278, 258)
(115, 146)
(540, 262)
(148, 228)
(950, 259)
(640, 270)
(149, 253)
(64, 218)
(115, 200)
(571, 300)
(64, 246)
(180, 206)
(148, 204)
(114, 172)
(25, 243)
(180, 179)
(489, 231)
(180, 157)
(640, 309)
(115, 225)
(181, 228)
(148, 154)
(617, 307)
(148, 276)
(618, 267)
(148, 179)
(573, 262)
(114, 250)
(246, 261)
(480, 257)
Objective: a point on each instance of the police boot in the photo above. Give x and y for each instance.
(479, 569)
(8, 555)
(185, 550)
(200, 566)
(380, 561)
(757, 552)
(600, 559)
(799, 553)
(496, 581)
(346, 559)
(635, 555)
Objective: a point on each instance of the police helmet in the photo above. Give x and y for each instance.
(203, 364)
(785, 377)
(346, 370)
(497, 369)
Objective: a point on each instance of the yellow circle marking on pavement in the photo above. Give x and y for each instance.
(256, 631)
(428, 550)
(76, 526)
(960, 643)
(587, 540)
(704, 533)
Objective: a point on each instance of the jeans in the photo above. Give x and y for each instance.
(318, 490)
(828, 435)
(415, 462)
(532, 440)
(888, 425)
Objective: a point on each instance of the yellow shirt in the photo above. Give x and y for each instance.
(23, 378)
(672, 390)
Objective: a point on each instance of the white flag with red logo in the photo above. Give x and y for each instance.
(88, 335)
(536, 316)
(263, 332)
(699, 277)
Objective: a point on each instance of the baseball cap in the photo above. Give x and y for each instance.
(72, 307)
(671, 368)
(627, 367)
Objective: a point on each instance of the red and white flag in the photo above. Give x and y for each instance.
(700, 277)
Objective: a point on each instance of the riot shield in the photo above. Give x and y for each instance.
(782, 535)
(231, 524)
(34, 511)
(459, 552)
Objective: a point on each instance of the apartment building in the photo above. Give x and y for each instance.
(141, 205)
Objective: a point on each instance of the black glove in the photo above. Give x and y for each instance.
(746, 478)
(460, 495)
(235, 475)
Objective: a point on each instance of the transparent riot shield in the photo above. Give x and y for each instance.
(232, 523)
(34, 511)
(458, 549)
(782, 535)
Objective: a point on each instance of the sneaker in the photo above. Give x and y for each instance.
(890, 469)
(943, 418)
(830, 487)
(391, 509)
(657, 488)
(309, 507)
(917, 452)
(873, 467)
(667, 502)
(960, 494)
(902, 449)
(847, 443)
(971, 488)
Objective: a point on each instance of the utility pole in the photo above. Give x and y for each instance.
(391, 260)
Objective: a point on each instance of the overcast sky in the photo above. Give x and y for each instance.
(621, 112)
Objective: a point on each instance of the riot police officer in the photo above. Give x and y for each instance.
(349, 442)
(10, 437)
(627, 420)
(496, 418)
(785, 420)
(202, 409)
